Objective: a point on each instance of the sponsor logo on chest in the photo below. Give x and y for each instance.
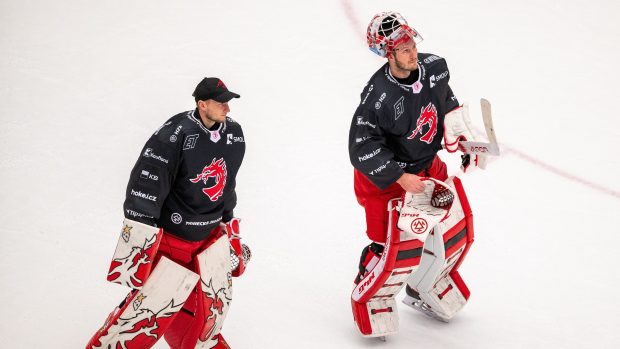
(435, 79)
(190, 141)
(230, 139)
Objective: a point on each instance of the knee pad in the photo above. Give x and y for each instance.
(442, 292)
(146, 314)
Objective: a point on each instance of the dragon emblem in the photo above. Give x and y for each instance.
(428, 116)
(217, 170)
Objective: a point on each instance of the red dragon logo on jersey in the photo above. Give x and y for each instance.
(428, 115)
(216, 169)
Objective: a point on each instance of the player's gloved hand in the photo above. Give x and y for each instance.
(240, 254)
(411, 183)
(457, 127)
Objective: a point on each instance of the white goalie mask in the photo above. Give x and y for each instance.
(388, 29)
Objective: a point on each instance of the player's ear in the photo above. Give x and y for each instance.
(200, 104)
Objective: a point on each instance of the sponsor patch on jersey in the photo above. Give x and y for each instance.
(190, 141)
(146, 196)
(367, 94)
(435, 79)
(369, 155)
(176, 218)
(137, 214)
(174, 137)
(362, 122)
(202, 224)
(399, 107)
(379, 169)
(144, 174)
(430, 59)
(148, 153)
(230, 139)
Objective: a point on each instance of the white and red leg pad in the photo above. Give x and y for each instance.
(147, 313)
(216, 286)
(134, 255)
(437, 279)
(411, 219)
(372, 300)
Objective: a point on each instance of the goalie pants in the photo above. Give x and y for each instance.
(375, 200)
(189, 324)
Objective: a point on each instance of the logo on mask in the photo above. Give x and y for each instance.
(217, 170)
(428, 116)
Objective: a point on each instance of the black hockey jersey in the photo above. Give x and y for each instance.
(398, 128)
(184, 180)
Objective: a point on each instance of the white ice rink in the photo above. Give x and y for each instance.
(83, 84)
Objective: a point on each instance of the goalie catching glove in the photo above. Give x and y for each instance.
(240, 254)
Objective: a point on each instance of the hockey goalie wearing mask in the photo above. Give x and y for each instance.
(418, 219)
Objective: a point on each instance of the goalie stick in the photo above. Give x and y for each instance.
(490, 148)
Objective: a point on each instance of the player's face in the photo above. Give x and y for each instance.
(214, 110)
(405, 56)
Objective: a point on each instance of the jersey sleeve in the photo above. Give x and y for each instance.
(151, 179)
(231, 200)
(368, 151)
(450, 100)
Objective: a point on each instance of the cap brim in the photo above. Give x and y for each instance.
(225, 97)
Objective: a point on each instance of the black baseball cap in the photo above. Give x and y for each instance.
(215, 89)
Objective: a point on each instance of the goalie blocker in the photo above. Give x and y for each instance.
(429, 235)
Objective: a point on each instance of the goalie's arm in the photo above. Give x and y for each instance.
(151, 180)
(368, 151)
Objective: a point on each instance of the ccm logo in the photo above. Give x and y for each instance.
(366, 283)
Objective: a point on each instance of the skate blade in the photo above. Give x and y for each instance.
(421, 307)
